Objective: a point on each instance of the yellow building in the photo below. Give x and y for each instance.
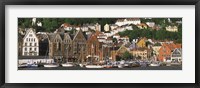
(142, 42)
(144, 53)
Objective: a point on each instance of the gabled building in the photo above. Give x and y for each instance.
(119, 52)
(55, 46)
(106, 27)
(67, 48)
(172, 28)
(142, 53)
(79, 47)
(176, 55)
(30, 43)
(142, 42)
(166, 51)
(93, 48)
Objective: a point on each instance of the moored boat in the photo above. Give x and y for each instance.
(81, 65)
(24, 65)
(120, 66)
(94, 66)
(51, 65)
(155, 64)
(33, 65)
(67, 65)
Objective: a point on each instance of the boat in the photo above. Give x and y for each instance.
(107, 66)
(155, 64)
(120, 66)
(33, 65)
(23, 65)
(30, 65)
(67, 65)
(51, 65)
(135, 64)
(81, 65)
(168, 64)
(94, 66)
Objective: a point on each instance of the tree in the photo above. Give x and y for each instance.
(126, 55)
(114, 40)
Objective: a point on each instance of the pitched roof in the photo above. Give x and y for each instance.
(51, 36)
(171, 46)
(66, 35)
(178, 45)
(81, 33)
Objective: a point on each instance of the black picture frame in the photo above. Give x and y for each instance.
(3, 3)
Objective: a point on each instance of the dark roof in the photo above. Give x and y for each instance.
(61, 35)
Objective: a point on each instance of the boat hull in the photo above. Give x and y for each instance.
(93, 66)
(51, 66)
(67, 65)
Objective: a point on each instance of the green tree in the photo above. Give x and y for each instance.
(126, 55)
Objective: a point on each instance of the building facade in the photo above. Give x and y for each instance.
(79, 47)
(30, 44)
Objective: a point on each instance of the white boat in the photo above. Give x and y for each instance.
(51, 65)
(120, 66)
(24, 65)
(67, 65)
(126, 65)
(81, 65)
(154, 64)
(94, 66)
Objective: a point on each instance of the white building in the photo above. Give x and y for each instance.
(172, 28)
(128, 21)
(106, 27)
(117, 36)
(150, 24)
(30, 44)
(97, 27)
(124, 39)
(176, 55)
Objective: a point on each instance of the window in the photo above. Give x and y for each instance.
(31, 39)
(30, 44)
(26, 39)
(34, 49)
(30, 35)
(25, 44)
(25, 49)
(30, 49)
(35, 44)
